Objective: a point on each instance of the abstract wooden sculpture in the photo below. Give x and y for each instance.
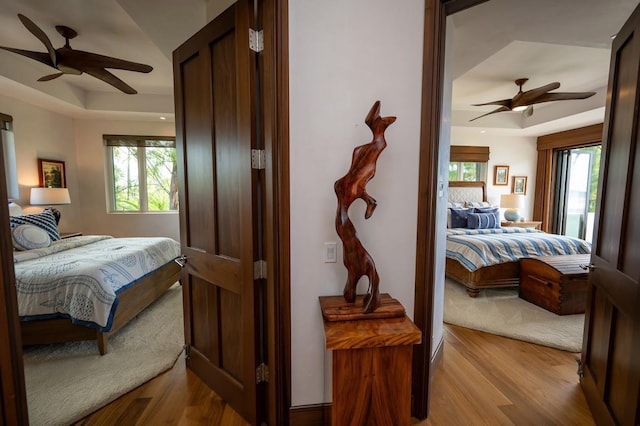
(348, 189)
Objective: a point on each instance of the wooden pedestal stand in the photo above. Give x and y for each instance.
(371, 361)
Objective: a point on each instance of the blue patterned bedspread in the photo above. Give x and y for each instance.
(476, 248)
(80, 277)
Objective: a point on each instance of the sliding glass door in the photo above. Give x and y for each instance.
(575, 191)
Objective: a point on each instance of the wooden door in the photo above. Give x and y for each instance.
(219, 222)
(611, 348)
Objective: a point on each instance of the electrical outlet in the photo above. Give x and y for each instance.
(330, 252)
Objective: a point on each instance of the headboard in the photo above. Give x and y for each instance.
(460, 192)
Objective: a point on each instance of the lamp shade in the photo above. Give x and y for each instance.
(49, 196)
(512, 201)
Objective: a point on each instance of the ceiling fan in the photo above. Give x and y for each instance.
(69, 61)
(523, 101)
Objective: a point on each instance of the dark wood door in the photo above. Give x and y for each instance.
(219, 222)
(611, 348)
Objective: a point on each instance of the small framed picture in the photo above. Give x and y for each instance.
(520, 185)
(52, 174)
(501, 175)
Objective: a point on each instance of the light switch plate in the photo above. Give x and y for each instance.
(330, 252)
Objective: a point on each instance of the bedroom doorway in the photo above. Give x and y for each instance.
(431, 184)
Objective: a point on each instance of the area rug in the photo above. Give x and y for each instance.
(68, 381)
(502, 312)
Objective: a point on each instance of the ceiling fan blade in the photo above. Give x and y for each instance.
(81, 60)
(40, 35)
(38, 56)
(503, 102)
(528, 112)
(529, 97)
(563, 96)
(502, 108)
(111, 79)
(50, 76)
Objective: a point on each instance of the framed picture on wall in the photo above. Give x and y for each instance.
(52, 174)
(520, 185)
(501, 175)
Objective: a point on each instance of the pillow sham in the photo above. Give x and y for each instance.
(483, 220)
(28, 237)
(486, 209)
(45, 220)
(471, 204)
(459, 217)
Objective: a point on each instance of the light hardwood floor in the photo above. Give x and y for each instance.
(483, 380)
(491, 380)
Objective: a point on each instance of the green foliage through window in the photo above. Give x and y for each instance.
(467, 171)
(143, 173)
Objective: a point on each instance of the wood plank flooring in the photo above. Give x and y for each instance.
(491, 380)
(483, 380)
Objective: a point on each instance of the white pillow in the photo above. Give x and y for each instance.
(28, 237)
(14, 209)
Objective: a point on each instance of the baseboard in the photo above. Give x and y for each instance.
(310, 415)
(436, 359)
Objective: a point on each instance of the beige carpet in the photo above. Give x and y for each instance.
(502, 312)
(66, 382)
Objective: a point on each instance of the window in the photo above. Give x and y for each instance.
(468, 171)
(142, 173)
(468, 163)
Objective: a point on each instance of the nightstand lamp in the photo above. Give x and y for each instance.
(50, 197)
(512, 203)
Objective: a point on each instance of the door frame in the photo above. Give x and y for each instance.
(275, 80)
(424, 358)
(13, 395)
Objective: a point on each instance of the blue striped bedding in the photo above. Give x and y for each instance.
(477, 248)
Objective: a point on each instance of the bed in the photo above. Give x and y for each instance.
(489, 258)
(88, 287)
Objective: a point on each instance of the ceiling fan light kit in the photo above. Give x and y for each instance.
(524, 101)
(67, 60)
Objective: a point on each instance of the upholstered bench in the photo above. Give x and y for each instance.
(555, 283)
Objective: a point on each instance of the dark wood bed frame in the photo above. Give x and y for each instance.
(133, 300)
(501, 275)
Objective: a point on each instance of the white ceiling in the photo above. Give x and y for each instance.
(493, 44)
(566, 41)
(139, 31)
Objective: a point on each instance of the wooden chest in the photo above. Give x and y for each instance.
(555, 283)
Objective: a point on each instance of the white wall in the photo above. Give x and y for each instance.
(90, 152)
(517, 152)
(40, 133)
(343, 57)
(43, 134)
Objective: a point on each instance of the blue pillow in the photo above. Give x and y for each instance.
(483, 220)
(459, 217)
(45, 220)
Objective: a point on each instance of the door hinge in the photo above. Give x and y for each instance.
(260, 270)
(258, 160)
(580, 371)
(187, 351)
(262, 373)
(256, 40)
